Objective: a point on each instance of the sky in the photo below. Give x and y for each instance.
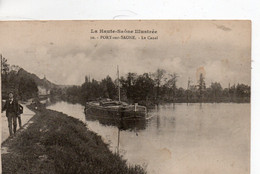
(65, 54)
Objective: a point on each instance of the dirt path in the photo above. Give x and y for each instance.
(26, 116)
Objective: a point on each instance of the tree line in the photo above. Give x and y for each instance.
(153, 88)
(146, 89)
(13, 80)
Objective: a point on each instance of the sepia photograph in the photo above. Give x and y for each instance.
(125, 97)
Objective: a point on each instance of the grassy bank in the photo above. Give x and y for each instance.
(57, 143)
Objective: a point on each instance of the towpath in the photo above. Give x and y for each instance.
(26, 116)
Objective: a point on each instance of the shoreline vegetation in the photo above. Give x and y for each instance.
(150, 89)
(147, 89)
(57, 143)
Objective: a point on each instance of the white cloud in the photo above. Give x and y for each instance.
(64, 53)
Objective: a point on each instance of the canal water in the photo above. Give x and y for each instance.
(179, 138)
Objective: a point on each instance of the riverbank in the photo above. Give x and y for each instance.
(152, 103)
(57, 143)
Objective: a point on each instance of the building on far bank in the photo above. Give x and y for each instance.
(42, 91)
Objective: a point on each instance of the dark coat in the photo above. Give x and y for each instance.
(10, 108)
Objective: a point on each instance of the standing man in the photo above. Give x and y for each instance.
(11, 107)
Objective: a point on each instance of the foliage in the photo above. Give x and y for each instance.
(4, 68)
(27, 88)
(171, 84)
(201, 87)
(57, 143)
(15, 80)
(159, 77)
(128, 84)
(151, 88)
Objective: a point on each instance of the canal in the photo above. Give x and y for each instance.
(179, 138)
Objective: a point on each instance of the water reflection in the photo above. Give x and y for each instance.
(179, 138)
(121, 124)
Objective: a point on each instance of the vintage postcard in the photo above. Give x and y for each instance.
(116, 97)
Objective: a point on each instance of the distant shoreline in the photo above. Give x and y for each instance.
(151, 104)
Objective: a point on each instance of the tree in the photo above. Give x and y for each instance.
(159, 76)
(171, 83)
(215, 90)
(201, 86)
(143, 87)
(232, 92)
(87, 79)
(5, 67)
(128, 84)
(243, 90)
(27, 88)
(180, 93)
(108, 88)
